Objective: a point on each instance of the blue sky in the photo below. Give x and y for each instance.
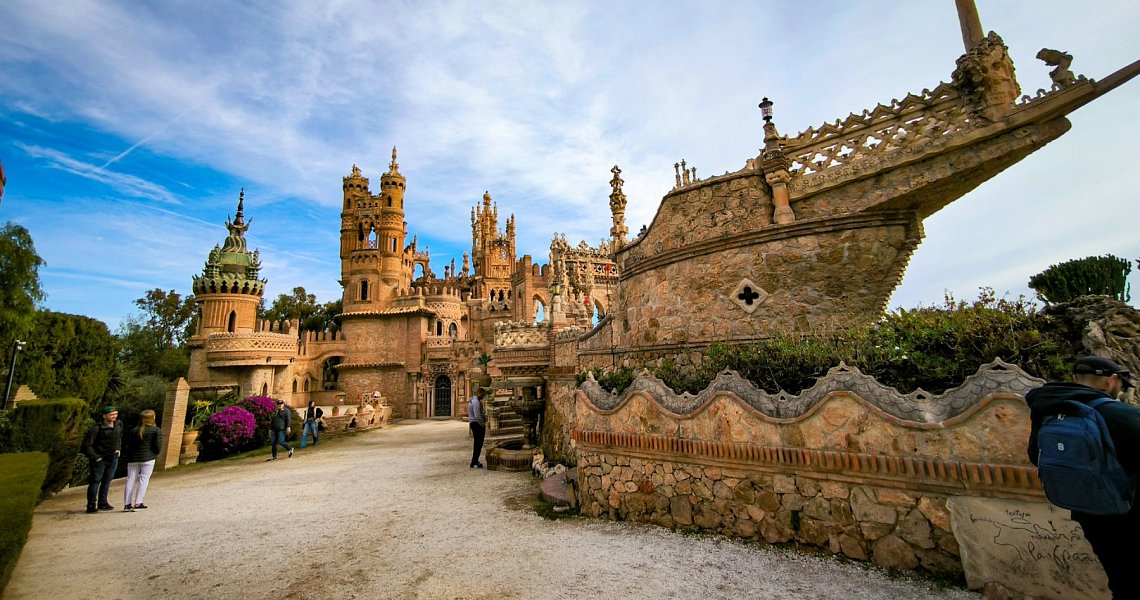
(128, 128)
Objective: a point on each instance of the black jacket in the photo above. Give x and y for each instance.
(102, 442)
(146, 448)
(1123, 419)
(283, 419)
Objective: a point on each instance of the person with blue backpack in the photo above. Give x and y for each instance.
(1086, 445)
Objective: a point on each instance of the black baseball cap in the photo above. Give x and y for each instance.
(1098, 365)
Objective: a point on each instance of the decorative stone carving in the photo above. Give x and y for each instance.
(918, 406)
(748, 295)
(1061, 76)
(986, 79)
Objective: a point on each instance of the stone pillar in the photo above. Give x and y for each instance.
(173, 422)
(782, 214)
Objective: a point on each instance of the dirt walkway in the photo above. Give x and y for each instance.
(395, 513)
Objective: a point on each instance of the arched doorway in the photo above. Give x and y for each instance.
(442, 396)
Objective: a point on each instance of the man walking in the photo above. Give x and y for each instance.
(1113, 537)
(313, 415)
(282, 427)
(101, 446)
(478, 420)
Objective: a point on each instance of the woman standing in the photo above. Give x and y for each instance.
(142, 446)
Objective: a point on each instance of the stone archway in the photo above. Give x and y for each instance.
(442, 397)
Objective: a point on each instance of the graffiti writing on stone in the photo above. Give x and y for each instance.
(1033, 541)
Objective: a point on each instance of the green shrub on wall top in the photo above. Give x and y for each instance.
(1095, 275)
(21, 478)
(933, 348)
(54, 427)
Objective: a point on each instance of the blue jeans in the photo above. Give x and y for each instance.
(279, 440)
(310, 427)
(102, 472)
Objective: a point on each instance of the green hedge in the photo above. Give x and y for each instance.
(933, 348)
(54, 427)
(21, 477)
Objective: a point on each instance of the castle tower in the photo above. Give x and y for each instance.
(492, 253)
(228, 290)
(372, 235)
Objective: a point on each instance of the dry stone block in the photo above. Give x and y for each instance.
(895, 498)
(792, 502)
(769, 501)
(893, 553)
(934, 509)
(874, 531)
(808, 487)
(937, 562)
(835, 489)
(818, 508)
(775, 532)
(755, 513)
(915, 529)
(866, 509)
(841, 512)
(681, 510)
(813, 532)
(782, 484)
(853, 546)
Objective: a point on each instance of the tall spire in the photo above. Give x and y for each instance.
(617, 208)
(235, 242)
(394, 167)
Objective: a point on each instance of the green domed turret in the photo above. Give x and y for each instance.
(232, 268)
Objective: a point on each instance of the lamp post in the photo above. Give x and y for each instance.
(16, 347)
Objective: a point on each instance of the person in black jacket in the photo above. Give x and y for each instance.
(101, 446)
(282, 427)
(141, 447)
(313, 416)
(1113, 537)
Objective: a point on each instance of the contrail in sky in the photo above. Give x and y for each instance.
(146, 139)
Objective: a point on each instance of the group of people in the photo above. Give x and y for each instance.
(105, 443)
(282, 427)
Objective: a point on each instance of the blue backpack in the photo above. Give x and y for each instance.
(1077, 462)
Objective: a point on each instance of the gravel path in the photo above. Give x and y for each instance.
(395, 513)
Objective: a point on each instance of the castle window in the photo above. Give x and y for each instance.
(306, 384)
(231, 326)
(265, 389)
(439, 327)
(393, 244)
(364, 290)
(453, 330)
(389, 202)
(500, 295)
(294, 386)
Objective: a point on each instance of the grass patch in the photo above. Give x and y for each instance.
(21, 476)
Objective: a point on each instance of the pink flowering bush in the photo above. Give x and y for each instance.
(227, 431)
(262, 409)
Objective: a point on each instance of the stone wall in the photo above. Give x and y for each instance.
(850, 466)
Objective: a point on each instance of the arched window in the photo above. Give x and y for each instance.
(389, 202)
(439, 327)
(306, 384)
(264, 389)
(330, 374)
(231, 326)
(500, 295)
(294, 386)
(453, 330)
(364, 289)
(393, 244)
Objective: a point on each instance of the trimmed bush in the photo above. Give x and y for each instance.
(21, 478)
(54, 427)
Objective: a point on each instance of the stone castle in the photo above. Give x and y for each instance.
(411, 337)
